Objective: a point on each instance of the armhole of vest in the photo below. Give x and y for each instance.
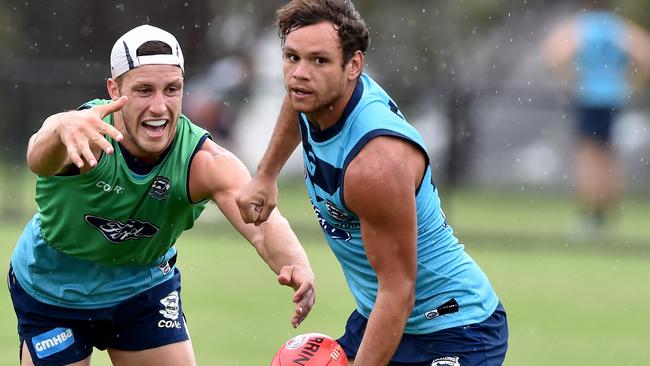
(187, 180)
(363, 141)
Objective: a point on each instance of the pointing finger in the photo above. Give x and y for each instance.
(114, 106)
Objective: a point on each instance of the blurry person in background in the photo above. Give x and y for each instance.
(119, 180)
(215, 98)
(600, 56)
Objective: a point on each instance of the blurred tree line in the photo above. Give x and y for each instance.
(55, 52)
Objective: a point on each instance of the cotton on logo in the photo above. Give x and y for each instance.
(106, 187)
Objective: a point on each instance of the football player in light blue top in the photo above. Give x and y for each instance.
(420, 298)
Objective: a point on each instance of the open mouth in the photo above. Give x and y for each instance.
(300, 93)
(155, 128)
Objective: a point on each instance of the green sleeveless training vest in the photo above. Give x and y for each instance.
(109, 216)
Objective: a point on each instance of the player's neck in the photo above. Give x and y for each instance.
(328, 116)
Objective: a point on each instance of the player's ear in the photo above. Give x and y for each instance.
(113, 89)
(355, 65)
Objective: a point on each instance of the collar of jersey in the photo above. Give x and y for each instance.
(328, 133)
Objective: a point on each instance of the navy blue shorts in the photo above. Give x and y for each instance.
(596, 123)
(481, 344)
(58, 336)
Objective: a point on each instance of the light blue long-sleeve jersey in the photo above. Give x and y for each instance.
(451, 289)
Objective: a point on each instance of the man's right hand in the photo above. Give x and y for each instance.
(87, 128)
(302, 281)
(257, 199)
(72, 137)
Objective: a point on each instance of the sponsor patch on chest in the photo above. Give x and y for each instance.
(117, 232)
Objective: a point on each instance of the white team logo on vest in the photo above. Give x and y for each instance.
(335, 212)
(160, 188)
(331, 230)
(171, 311)
(446, 361)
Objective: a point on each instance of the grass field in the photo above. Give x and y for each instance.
(569, 302)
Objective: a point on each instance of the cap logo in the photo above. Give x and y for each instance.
(128, 55)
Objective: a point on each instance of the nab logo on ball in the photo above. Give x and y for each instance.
(311, 349)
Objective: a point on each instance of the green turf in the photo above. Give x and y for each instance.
(569, 302)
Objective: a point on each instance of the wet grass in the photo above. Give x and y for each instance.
(570, 300)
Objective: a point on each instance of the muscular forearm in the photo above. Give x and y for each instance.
(46, 154)
(285, 138)
(284, 254)
(385, 328)
(280, 246)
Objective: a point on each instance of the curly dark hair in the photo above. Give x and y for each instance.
(352, 30)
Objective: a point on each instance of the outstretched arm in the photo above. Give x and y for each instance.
(73, 137)
(559, 49)
(217, 174)
(257, 199)
(639, 47)
(391, 169)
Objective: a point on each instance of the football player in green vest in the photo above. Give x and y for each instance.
(118, 181)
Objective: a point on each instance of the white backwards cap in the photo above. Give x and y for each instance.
(124, 57)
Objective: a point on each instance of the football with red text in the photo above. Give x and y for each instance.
(310, 349)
